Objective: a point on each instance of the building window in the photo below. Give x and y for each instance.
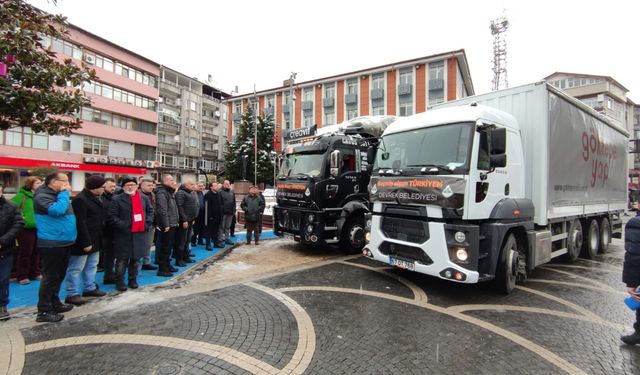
(66, 145)
(352, 113)
(119, 95)
(95, 146)
(406, 109)
(142, 152)
(352, 86)
(193, 142)
(436, 70)
(308, 119)
(193, 124)
(307, 96)
(377, 81)
(193, 106)
(329, 118)
(406, 77)
(329, 91)
(378, 111)
(25, 137)
(436, 73)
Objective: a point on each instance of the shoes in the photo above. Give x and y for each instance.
(133, 284)
(94, 293)
(75, 300)
(193, 244)
(109, 280)
(4, 314)
(200, 243)
(180, 263)
(228, 242)
(633, 339)
(49, 317)
(257, 242)
(39, 277)
(62, 308)
(189, 260)
(149, 267)
(165, 274)
(219, 245)
(248, 242)
(100, 269)
(209, 248)
(120, 286)
(25, 282)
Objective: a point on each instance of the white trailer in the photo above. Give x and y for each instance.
(491, 186)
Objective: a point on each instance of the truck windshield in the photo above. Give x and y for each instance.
(444, 147)
(309, 165)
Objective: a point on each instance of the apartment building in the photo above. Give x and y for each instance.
(190, 135)
(401, 88)
(118, 134)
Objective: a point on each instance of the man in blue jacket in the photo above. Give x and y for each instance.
(56, 232)
(631, 272)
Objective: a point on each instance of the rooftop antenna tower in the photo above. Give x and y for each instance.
(498, 30)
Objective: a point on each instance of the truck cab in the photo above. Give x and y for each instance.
(322, 185)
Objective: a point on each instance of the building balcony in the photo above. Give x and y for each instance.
(351, 99)
(377, 94)
(210, 137)
(171, 148)
(327, 102)
(168, 128)
(210, 154)
(307, 105)
(209, 120)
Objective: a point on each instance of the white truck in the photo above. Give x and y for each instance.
(489, 187)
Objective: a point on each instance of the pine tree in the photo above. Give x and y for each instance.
(243, 147)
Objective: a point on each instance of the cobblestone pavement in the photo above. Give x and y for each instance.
(342, 315)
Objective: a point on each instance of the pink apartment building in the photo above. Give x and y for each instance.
(118, 135)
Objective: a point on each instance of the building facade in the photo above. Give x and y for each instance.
(190, 134)
(118, 134)
(402, 88)
(609, 97)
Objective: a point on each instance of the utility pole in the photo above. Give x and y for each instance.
(255, 135)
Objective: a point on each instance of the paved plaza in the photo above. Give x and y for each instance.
(320, 312)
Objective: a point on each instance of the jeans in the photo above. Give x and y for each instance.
(54, 262)
(223, 232)
(146, 258)
(28, 266)
(81, 273)
(6, 262)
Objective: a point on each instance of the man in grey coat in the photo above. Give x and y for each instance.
(228, 211)
(166, 222)
(188, 207)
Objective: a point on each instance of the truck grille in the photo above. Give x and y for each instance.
(405, 252)
(405, 230)
(289, 220)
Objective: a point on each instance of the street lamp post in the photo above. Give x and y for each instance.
(255, 134)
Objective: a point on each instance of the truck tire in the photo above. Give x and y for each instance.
(352, 238)
(605, 235)
(574, 240)
(592, 243)
(508, 266)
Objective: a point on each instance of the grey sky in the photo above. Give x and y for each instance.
(247, 42)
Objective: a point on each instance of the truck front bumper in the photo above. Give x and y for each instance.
(431, 257)
(301, 225)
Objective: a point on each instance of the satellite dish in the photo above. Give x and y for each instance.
(217, 113)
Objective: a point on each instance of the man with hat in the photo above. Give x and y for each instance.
(253, 207)
(83, 262)
(132, 215)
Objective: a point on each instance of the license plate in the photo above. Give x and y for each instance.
(288, 236)
(402, 264)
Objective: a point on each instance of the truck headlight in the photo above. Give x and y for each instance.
(311, 218)
(462, 255)
(459, 254)
(460, 237)
(310, 228)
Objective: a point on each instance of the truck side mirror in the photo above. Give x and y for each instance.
(335, 163)
(498, 161)
(498, 141)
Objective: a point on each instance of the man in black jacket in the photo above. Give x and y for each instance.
(631, 272)
(199, 228)
(108, 258)
(187, 203)
(81, 271)
(166, 222)
(11, 223)
(213, 216)
(228, 211)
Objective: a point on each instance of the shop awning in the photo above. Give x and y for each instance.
(67, 166)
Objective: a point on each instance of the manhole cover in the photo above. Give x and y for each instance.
(170, 369)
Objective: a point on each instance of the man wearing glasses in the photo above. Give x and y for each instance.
(56, 233)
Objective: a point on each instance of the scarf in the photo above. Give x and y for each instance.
(137, 213)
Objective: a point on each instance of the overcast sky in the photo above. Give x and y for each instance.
(247, 42)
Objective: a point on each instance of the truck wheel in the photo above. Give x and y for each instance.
(591, 245)
(508, 267)
(352, 238)
(574, 240)
(605, 235)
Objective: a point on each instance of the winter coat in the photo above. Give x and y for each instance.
(89, 218)
(252, 207)
(107, 225)
(126, 244)
(228, 201)
(24, 201)
(55, 221)
(11, 224)
(187, 203)
(213, 207)
(166, 209)
(631, 265)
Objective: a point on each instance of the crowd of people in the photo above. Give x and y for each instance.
(112, 228)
